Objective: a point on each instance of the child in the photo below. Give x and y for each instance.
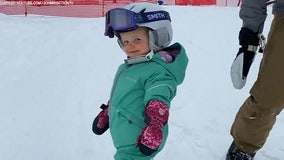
(144, 86)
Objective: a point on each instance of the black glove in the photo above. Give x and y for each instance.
(101, 122)
(249, 42)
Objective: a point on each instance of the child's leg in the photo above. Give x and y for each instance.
(131, 153)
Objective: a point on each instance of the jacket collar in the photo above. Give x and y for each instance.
(139, 59)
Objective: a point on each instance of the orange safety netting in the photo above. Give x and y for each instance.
(78, 8)
(64, 8)
(195, 2)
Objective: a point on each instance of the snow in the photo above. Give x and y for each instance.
(55, 73)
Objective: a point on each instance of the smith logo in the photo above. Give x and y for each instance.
(156, 16)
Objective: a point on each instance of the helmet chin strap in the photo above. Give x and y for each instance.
(139, 59)
(153, 46)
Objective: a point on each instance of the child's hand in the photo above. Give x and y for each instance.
(157, 114)
(101, 122)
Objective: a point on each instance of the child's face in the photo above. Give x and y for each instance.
(136, 42)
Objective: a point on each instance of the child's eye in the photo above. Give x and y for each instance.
(125, 42)
(137, 39)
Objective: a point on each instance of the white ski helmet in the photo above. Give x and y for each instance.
(160, 30)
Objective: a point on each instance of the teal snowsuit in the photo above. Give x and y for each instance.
(133, 87)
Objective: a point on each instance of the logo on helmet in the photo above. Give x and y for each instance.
(156, 16)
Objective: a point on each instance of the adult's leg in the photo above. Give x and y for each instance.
(257, 115)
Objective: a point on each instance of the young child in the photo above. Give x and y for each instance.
(145, 84)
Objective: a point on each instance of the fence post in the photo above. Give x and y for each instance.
(103, 7)
(26, 8)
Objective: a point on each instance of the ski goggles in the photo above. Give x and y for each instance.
(122, 20)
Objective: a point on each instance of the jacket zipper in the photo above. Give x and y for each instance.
(115, 83)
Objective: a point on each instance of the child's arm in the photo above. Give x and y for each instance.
(101, 122)
(157, 114)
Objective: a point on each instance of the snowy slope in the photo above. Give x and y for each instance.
(55, 72)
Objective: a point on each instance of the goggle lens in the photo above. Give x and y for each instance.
(119, 20)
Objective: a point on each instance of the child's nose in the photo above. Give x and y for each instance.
(130, 44)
